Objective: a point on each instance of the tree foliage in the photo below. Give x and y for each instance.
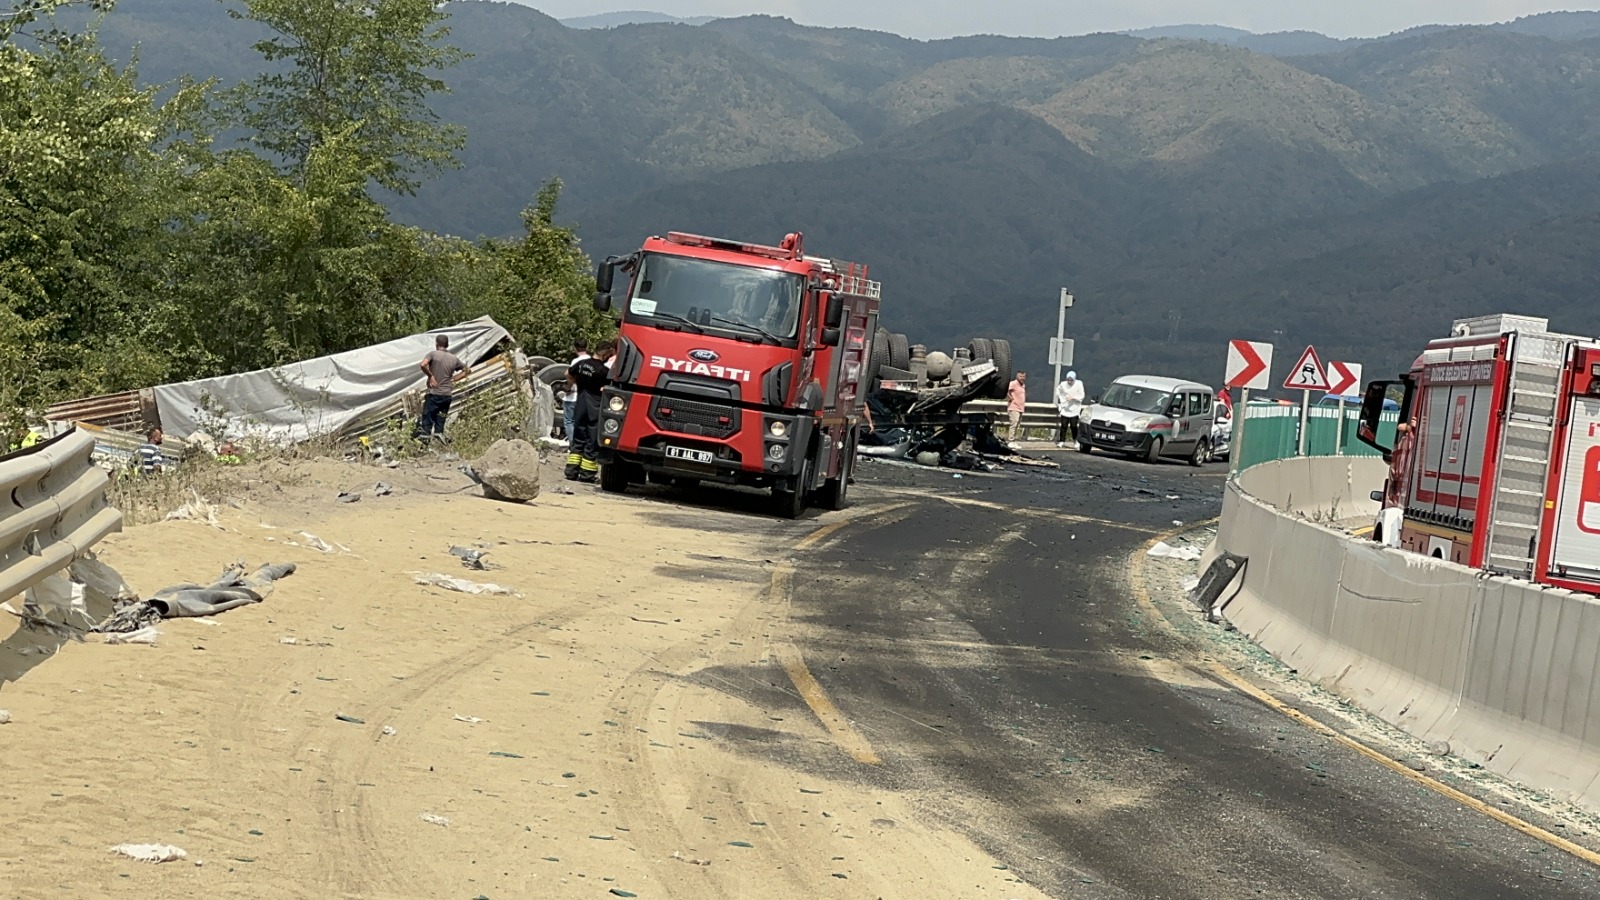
(135, 250)
(355, 71)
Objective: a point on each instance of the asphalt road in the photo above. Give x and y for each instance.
(983, 638)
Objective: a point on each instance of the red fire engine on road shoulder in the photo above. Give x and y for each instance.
(737, 363)
(1496, 462)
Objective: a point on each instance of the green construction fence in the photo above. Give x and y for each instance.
(1272, 431)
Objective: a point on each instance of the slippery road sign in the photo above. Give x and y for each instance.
(1307, 374)
(1248, 364)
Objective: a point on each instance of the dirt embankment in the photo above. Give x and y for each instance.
(620, 726)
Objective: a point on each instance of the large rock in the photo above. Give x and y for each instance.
(509, 470)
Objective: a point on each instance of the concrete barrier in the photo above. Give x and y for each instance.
(1507, 672)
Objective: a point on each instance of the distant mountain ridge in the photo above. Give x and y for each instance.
(1189, 191)
(632, 17)
(1562, 26)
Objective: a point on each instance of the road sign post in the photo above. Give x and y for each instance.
(1249, 366)
(1344, 378)
(1306, 376)
(1060, 343)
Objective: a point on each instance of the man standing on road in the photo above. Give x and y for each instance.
(1016, 402)
(586, 378)
(441, 366)
(1069, 406)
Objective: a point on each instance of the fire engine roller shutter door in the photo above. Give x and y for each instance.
(1454, 429)
(1577, 531)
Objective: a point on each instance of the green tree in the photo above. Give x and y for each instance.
(362, 68)
(543, 288)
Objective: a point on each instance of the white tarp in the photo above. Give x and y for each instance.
(318, 396)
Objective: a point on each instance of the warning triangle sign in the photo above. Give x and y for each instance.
(1308, 374)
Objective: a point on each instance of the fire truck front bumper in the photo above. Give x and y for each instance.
(762, 445)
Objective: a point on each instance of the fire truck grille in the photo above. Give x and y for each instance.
(693, 417)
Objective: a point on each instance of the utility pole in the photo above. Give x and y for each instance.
(1059, 348)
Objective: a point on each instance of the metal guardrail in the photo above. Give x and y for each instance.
(56, 510)
(1035, 416)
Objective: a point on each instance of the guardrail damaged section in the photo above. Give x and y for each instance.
(53, 510)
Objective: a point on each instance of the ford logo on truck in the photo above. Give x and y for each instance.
(705, 356)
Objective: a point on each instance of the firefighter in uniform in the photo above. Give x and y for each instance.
(587, 377)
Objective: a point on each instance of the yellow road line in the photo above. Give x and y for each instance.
(844, 734)
(794, 665)
(1237, 682)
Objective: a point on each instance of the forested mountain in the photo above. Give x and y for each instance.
(1356, 193)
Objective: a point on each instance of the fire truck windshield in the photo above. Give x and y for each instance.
(718, 296)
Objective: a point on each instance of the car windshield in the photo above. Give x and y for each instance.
(1135, 398)
(715, 295)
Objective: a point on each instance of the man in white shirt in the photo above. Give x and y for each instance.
(569, 397)
(1069, 406)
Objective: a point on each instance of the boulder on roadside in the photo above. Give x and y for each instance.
(509, 471)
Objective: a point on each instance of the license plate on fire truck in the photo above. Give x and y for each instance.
(702, 457)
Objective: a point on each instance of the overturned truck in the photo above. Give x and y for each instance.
(918, 399)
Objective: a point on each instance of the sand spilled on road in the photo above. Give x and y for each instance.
(620, 726)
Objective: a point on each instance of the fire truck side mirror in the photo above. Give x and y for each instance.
(833, 316)
(1372, 404)
(604, 274)
(602, 301)
(830, 337)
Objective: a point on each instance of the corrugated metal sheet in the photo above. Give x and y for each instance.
(128, 411)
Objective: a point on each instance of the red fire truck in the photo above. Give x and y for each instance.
(737, 363)
(1496, 460)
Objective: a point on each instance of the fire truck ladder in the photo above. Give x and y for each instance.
(851, 277)
(1529, 429)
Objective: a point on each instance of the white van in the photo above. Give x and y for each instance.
(1148, 417)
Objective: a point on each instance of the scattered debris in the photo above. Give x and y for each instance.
(5, 717)
(154, 853)
(388, 730)
(197, 509)
(693, 862)
(382, 489)
(229, 590)
(471, 558)
(321, 545)
(432, 819)
(351, 719)
(287, 640)
(1164, 550)
(346, 497)
(470, 720)
(504, 755)
(450, 582)
(146, 635)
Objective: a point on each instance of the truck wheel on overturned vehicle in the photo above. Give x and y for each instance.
(879, 358)
(1002, 362)
(552, 374)
(899, 351)
(982, 349)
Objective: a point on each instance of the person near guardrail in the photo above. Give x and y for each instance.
(587, 377)
(1016, 403)
(441, 366)
(1069, 407)
(148, 456)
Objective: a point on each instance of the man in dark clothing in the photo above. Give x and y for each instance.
(587, 377)
(441, 366)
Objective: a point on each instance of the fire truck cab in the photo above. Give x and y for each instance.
(1496, 459)
(737, 363)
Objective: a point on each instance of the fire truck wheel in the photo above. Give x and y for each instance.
(1153, 452)
(835, 493)
(899, 351)
(614, 477)
(1201, 454)
(791, 501)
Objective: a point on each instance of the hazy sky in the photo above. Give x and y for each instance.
(944, 18)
